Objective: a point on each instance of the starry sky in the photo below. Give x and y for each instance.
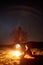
(28, 15)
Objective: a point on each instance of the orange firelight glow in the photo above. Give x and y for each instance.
(28, 56)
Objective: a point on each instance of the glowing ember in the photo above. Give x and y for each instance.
(28, 56)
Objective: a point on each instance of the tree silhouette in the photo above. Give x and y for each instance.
(19, 36)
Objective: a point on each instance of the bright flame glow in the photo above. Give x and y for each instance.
(16, 54)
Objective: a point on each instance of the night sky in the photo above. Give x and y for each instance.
(29, 15)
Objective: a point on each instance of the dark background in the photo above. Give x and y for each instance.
(28, 14)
